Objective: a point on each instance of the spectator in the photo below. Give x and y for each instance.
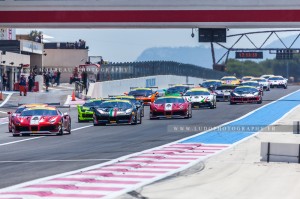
(22, 85)
(47, 80)
(58, 77)
(4, 82)
(30, 82)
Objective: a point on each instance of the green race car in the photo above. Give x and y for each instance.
(84, 111)
(177, 90)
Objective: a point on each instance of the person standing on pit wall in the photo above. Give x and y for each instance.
(4, 82)
(58, 77)
(47, 80)
(30, 82)
(22, 85)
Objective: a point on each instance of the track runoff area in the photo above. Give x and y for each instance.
(43, 165)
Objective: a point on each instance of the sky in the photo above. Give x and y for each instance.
(125, 45)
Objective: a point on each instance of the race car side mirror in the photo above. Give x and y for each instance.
(138, 106)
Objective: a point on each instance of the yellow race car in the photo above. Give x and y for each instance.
(232, 80)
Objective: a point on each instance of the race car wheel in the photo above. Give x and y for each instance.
(191, 114)
(134, 120)
(268, 89)
(79, 120)
(61, 131)
(140, 122)
(69, 128)
(9, 129)
(285, 87)
(95, 122)
(232, 103)
(260, 101)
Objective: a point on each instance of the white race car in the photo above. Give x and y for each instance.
(263, 82)
(278, 81)
(201, 97)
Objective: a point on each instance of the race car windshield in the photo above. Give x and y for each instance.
(259, 80)
(245, 90)
(229, 78)
(92, 103)
(120, 105)
(177, 89)
(208, 84)
(140, 93)
(246, 78)
(169, 100)
(193, 93)
(39, 112)
(250, 84)
(276, 78)
(19, 110)
(225, 87)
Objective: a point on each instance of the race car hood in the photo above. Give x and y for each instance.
(36, 120)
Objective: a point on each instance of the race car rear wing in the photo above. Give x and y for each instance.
(131, 88)
(181, 84)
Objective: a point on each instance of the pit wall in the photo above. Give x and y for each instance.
(118, 87)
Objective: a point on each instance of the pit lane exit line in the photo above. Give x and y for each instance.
(14, 142)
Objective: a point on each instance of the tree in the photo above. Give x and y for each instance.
(35, 35)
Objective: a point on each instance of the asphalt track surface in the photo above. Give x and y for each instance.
(28, 158)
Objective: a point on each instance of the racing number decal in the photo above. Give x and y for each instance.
(168, 106)
(35, 120)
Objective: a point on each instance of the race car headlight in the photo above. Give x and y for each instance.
(129, 111)
(255, 93)
(51, 121)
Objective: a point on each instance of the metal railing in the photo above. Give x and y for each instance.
(127, 70)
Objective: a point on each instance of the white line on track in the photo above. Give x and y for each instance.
(46, 161)
(24, 140)
(6, 99)
(14, 142)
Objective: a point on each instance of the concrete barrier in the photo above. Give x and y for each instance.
(117, 87)
(280, 152)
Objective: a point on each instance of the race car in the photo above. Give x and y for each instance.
(278, 81)
(201, 97)
(116, 112)
(246, 78)
(170, 107)
(266, 76)
(245, 94)
(211, 84)
(254, 84)
(84, 111)
(138, 103)
(223, 92)
(147, 95)
(18, 112)
(177, 89)
(41, 120)
(263, 82)
(230, 80)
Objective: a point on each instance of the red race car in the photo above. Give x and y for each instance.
(18, 112)
(170, 107)
(41, 120)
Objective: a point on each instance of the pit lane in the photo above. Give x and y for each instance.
(88, 145)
